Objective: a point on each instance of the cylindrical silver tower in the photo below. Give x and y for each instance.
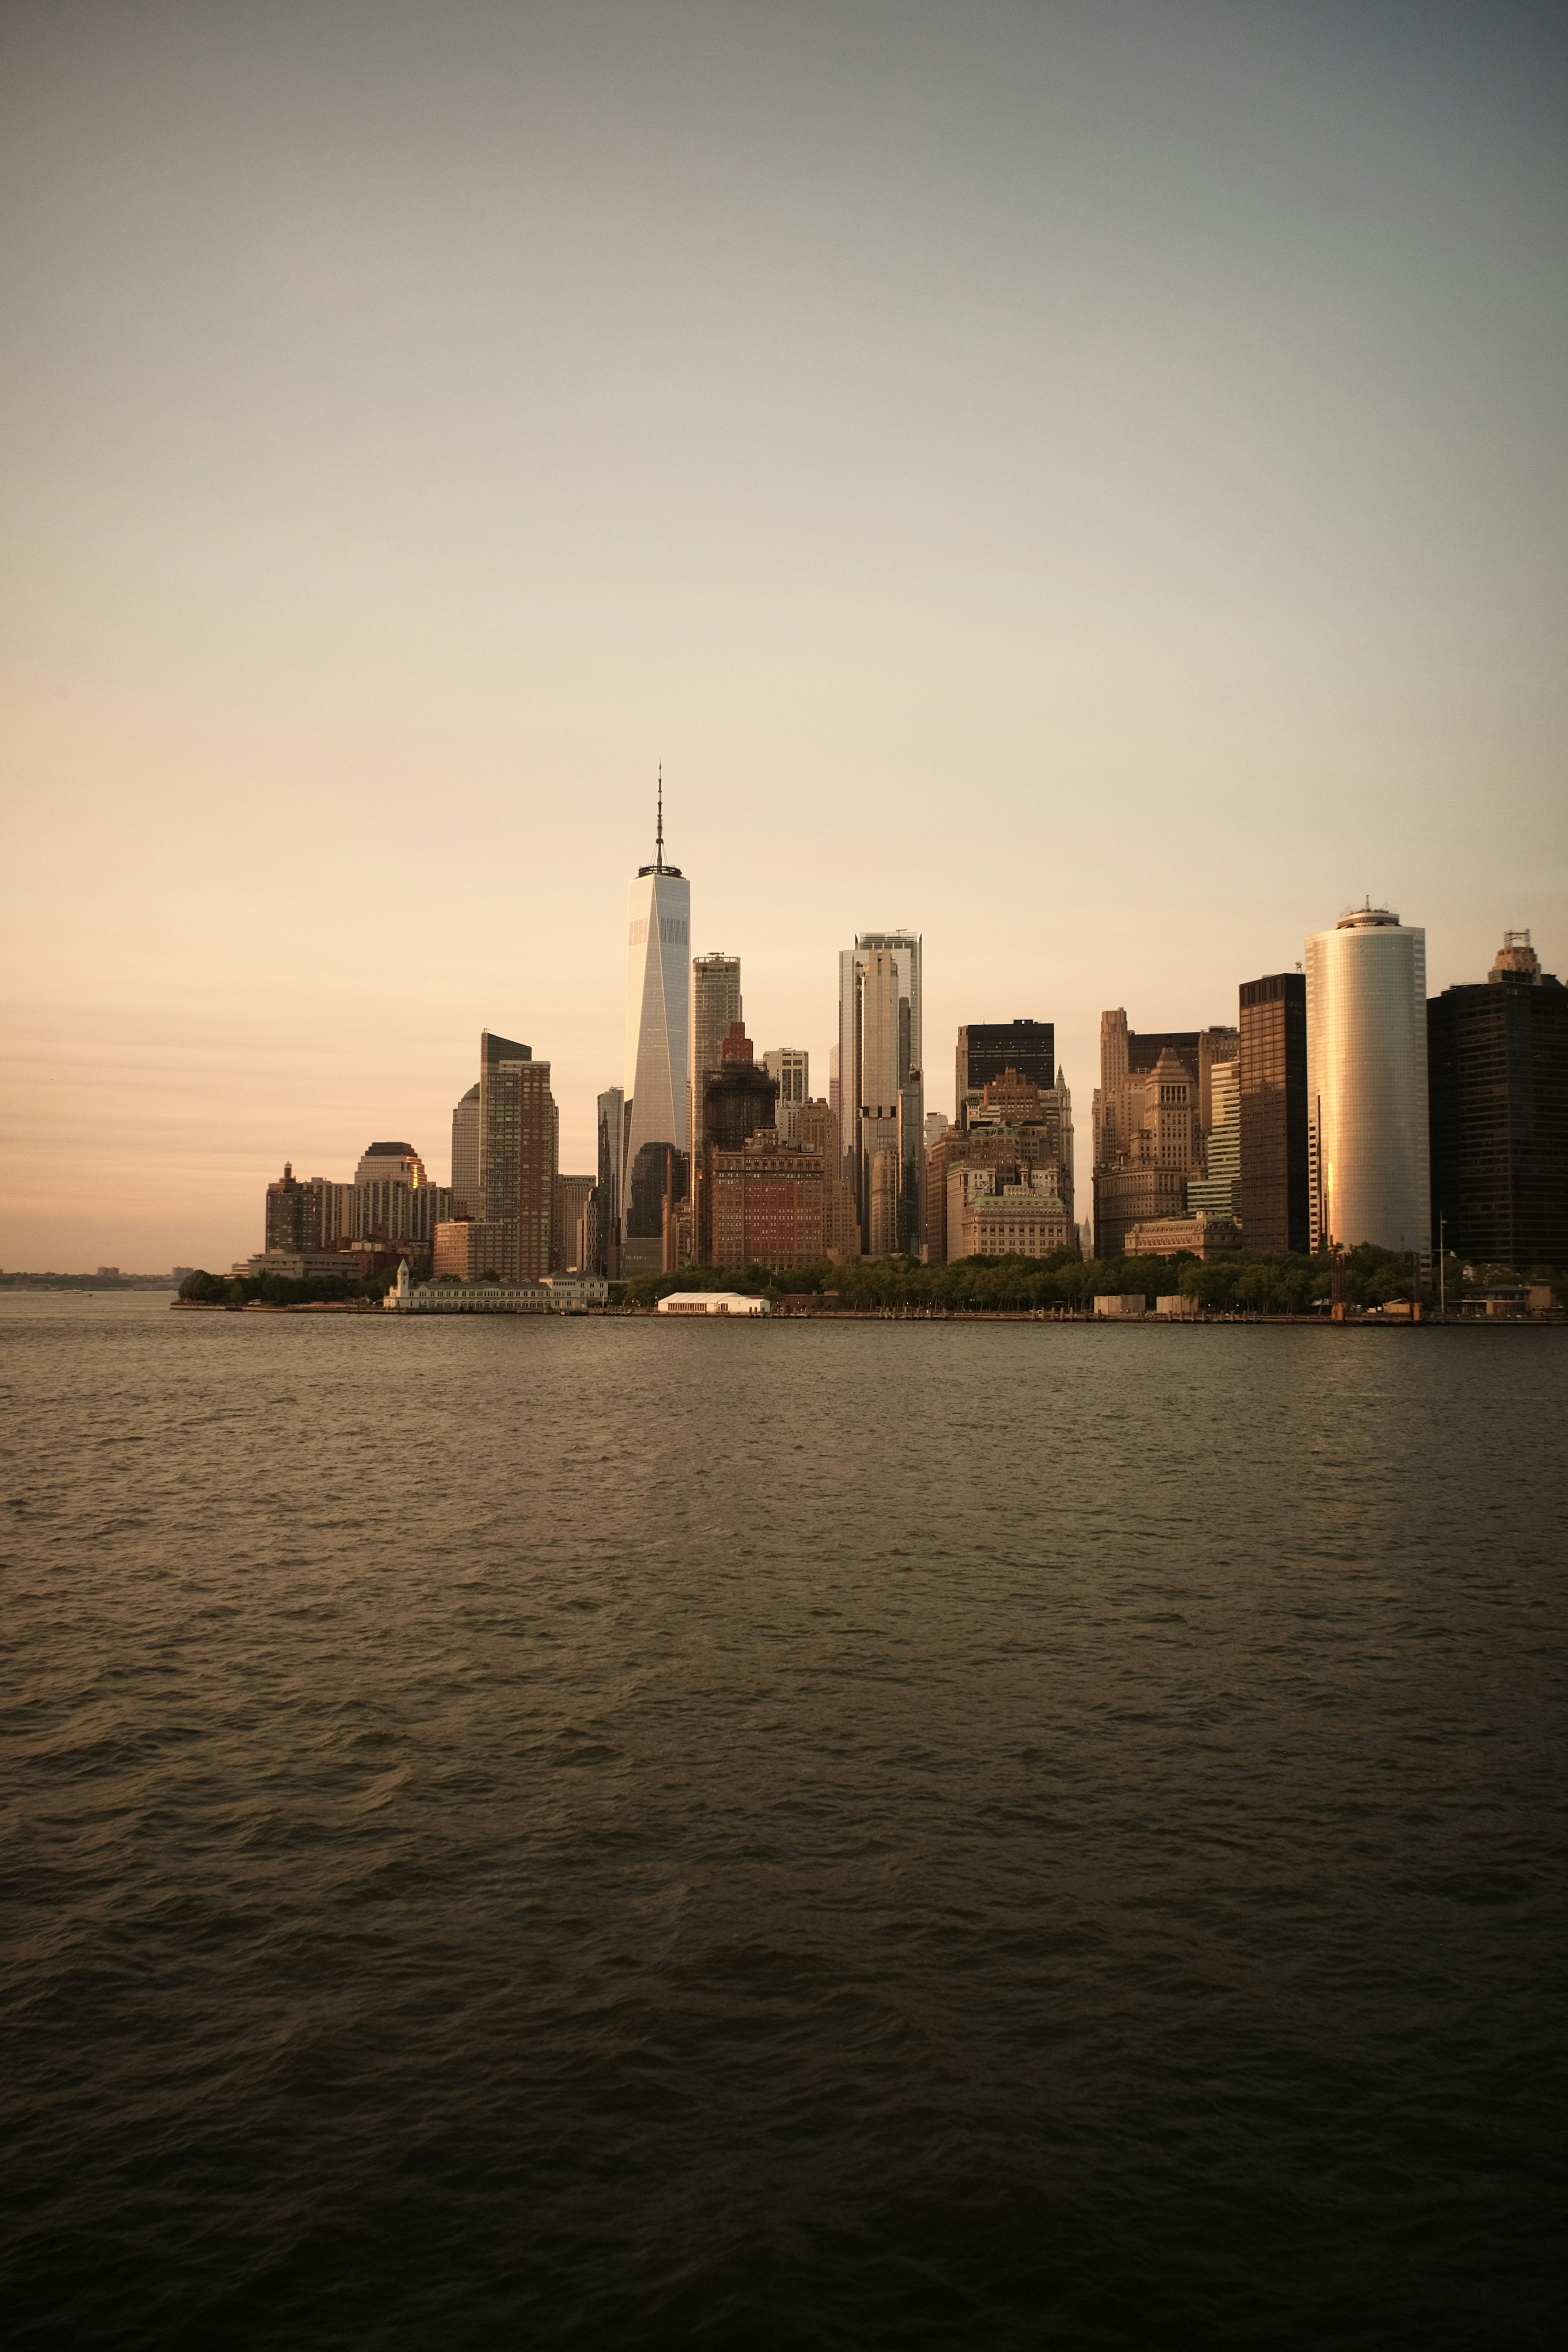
(1366, 1082)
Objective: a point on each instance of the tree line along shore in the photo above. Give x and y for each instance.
(1241, 1283)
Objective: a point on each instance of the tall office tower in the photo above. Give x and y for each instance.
(737, 1101)
(392, 1199)
(1130, 1055)
(588, 1255)
(612, 1114)
(1159, 1148)
(466, 1154)
(1217, 1191)
(1497, 1063)
(1366, 1082)
(1129, 1105)
(937, 1123)
(657, 1019)
(715, 1003)
(910, 1224)
(791, 1065)
(816, 1131)
(1275, 1206)
(986, 1048)
(569, 1199)
(518, 1144)
(658, 1183)
(879, 1056)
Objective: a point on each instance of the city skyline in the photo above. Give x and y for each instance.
(1084, 485)
(579, 1150)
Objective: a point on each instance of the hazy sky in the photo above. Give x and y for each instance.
(1085, 481)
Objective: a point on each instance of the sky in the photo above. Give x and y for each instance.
(1087, 483)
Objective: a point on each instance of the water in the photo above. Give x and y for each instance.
(819, 1834)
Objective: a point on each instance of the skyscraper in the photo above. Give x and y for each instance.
(986, 1048)
(715, 1003)
(520, 1144)
(1366, 1082)
(1275, 1199)
(881, 1083)
(1498, 1064)
(466, 1154)
(737, 1101)
(658, 945)
(1217, 1191)
(791, 1065)
(570, 1201)
(612, 1111)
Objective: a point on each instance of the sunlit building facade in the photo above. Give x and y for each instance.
(881, 1095)
(657, 1034)
(1366, 1082)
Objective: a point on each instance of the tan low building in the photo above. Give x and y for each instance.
(1001, 1211)
(1204, 1235)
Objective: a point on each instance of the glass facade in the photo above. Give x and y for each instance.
(658, 970)
(1274, 1192)
(1366, 1082)
(1498, 1068)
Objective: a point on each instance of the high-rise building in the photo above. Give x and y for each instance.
(715, 1003)
(657, 1034)
(881, 1091)
(466, 1171)
(1217, 1192)
(608, 1191)
(392, 1199)
(1275, 1205)
(571, 1198)
(1497, 1068)
(519, 1145)
(816, 1131)
(658, 1183)
(1135, 1173)
(769, 1203)
(738, 1100)
(289, 1223)
(1012, 1124)
(1130, 1055)
(986, 1048)
(1366, 1082)
(1158, 1147)
(791, 1065)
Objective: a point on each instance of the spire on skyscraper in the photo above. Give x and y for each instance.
(658, 866)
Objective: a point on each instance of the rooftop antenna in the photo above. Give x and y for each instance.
(659, 851)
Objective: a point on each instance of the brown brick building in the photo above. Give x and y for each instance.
(769, 1203)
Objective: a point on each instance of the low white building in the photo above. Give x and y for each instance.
(578, 1289)
(1119, 1307)
(712, 1302)
(472, 1299)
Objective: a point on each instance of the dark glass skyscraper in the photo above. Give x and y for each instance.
(986, 1048)
(1498, 1081)
(1275, 1195)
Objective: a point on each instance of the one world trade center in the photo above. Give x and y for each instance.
(658, 970)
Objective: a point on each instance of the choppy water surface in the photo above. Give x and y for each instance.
(827, 1834)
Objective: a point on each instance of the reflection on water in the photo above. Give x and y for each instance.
(817, 1834)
